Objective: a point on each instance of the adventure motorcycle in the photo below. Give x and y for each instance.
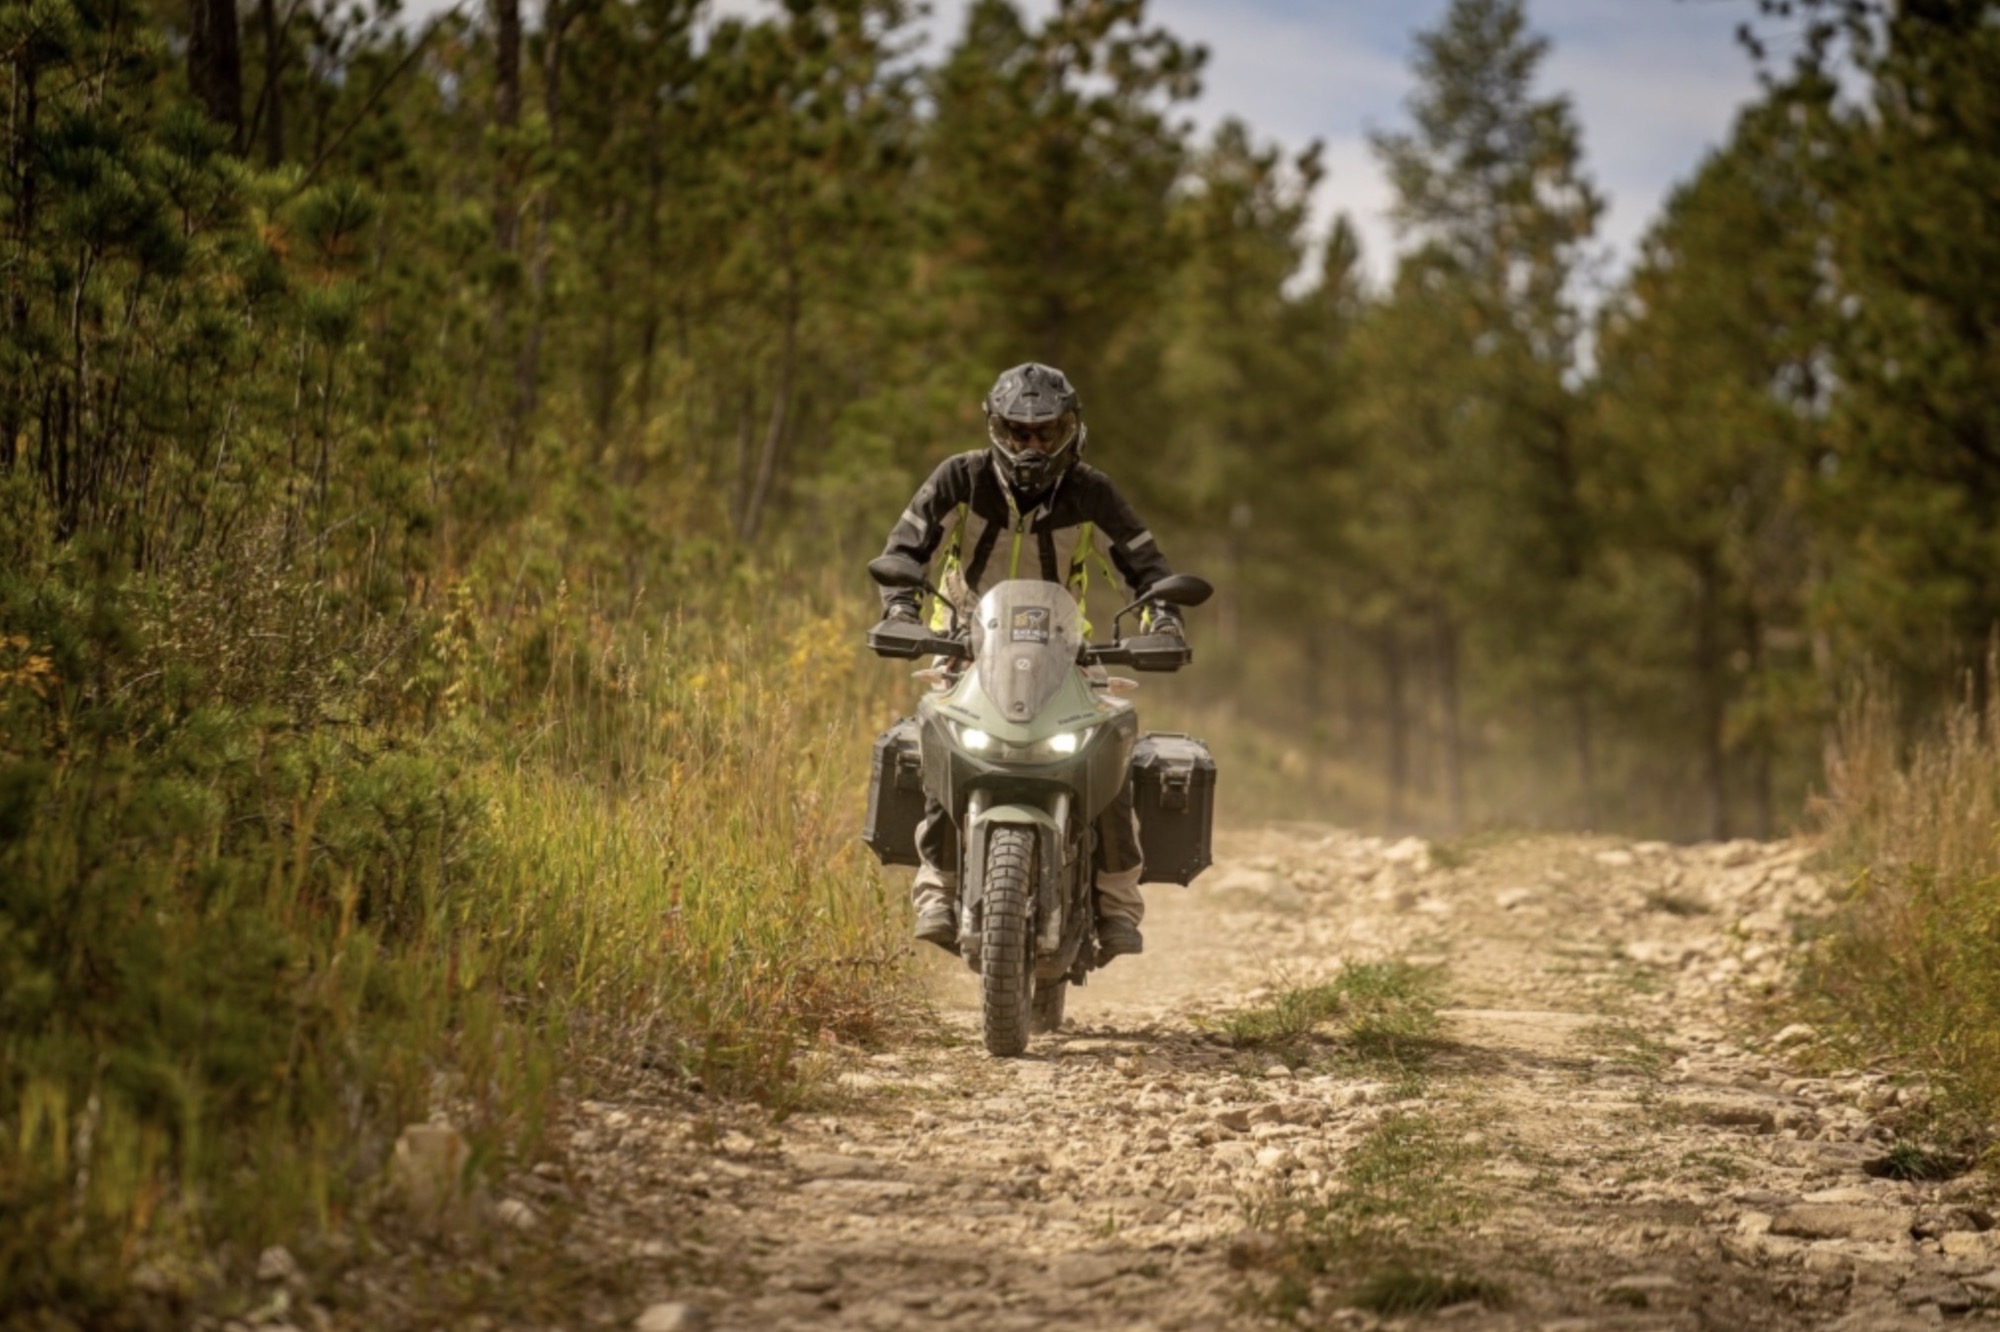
(1026, 748)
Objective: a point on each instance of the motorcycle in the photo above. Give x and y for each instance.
(1026, 747)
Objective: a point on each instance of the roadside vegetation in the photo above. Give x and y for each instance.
(1910, 965)
(1384, 1236)
(243, 949)
(1382, 1013)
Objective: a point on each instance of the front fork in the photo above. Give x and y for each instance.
(1050, 823)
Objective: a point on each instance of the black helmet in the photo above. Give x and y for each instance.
(1035, 421)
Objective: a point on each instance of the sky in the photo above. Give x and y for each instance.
(1655, 83)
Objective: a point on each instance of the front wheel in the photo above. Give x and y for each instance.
(1006, 966)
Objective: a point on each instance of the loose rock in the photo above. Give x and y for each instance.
(671, 1318)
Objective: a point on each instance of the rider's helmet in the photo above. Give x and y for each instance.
(1035, 420)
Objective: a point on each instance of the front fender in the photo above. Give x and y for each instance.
(1017, 814)
(1050, 829)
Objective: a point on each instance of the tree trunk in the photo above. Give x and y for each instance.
(1396, 714)
(1444, 640)
(528, 362)
(270, 117)
(215, 64)
(506, 191)
(23, 109)
(1711, 692)
(781, 399)
(1312, 659)
(1762, 741)
(1586, 748)
(651, 318)
(746, 427)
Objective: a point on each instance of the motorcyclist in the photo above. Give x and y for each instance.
(1027, 506)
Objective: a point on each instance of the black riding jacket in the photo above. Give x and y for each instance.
(1054, 540)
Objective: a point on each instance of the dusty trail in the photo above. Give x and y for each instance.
(1592, 1141)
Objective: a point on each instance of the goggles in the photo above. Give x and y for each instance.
(1042, 437)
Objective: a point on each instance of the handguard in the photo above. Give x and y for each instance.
(907, 638)
(1142, 652)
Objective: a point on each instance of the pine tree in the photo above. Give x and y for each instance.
(1491, 184)
(1708, 396)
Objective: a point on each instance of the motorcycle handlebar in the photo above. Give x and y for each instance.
(1142, 652)
(906, 638)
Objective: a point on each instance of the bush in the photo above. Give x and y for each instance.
(262, 910)
(1912, 959)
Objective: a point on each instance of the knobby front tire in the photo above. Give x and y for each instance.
(1006, 957)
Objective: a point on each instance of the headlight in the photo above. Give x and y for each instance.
(1060, 745)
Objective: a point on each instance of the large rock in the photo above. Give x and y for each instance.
(671, 1318)
(1843, 1221)
(429, 1173)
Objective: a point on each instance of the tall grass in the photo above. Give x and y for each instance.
(1913, 958)
(254, 922)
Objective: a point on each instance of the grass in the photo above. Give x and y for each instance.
(1675, 904)
(1373, 1238)
(1380, 1237)
(256, 922)
(1384, 1012)
(1909, 966)
(1712, 1165)
(1911, 1160)
(1629, 1048)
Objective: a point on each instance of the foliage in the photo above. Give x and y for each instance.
(1913, 961)
(1383, 1011)
(1377, 1235)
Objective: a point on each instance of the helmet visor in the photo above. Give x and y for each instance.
(1044, 437)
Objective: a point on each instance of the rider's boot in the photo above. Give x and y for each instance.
(935, 897)
(1119, 910)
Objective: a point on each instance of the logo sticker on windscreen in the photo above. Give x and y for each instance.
(1031, 625)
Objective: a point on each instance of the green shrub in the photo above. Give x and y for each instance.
(1911, 960)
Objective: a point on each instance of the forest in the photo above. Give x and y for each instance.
(438, 455)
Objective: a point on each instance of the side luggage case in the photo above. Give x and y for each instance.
(895, 795)
(1173, 792)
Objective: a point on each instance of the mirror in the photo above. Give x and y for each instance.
(1181, 590)
(900, 571)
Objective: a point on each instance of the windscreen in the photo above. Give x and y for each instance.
(1025, 638)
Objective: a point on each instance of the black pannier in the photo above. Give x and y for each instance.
(1173, 791)
(896, 795)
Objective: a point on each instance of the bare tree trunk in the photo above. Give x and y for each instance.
(1444, 641)
(1762, 741)
(22, 111)
(1586, 747)
(215, 64)
(746, 426)
(1312, 657)
(270, 114)
(1710, 691)
(506, 188)
(651, 319)
(1396, 714)
(774, 432)
(781, 399)
(528, 363)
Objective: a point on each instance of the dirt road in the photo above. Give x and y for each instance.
(1537, 1099)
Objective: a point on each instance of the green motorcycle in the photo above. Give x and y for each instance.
(1026, 747)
